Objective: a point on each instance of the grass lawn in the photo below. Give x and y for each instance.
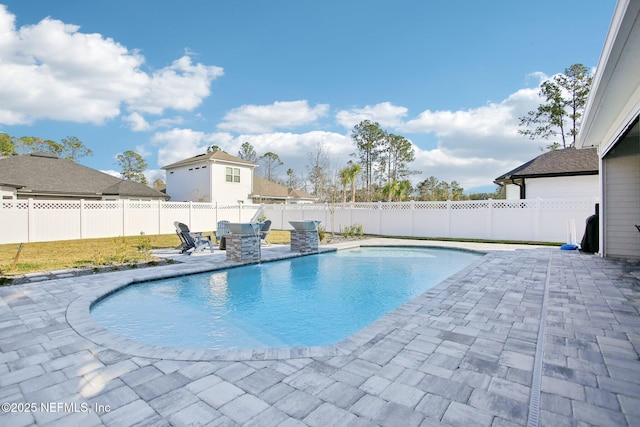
(45, 256)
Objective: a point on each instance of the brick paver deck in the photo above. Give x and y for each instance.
(525, 337)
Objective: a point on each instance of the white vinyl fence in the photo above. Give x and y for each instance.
(46, 220)
(543, 220)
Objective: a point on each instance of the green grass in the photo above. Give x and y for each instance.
(46, 256)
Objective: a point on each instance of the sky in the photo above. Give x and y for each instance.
(167, 79)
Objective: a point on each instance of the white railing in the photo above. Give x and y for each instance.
(46, 220)
(537, 220)
(542, 220)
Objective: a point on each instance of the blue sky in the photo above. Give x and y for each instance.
(167, 79)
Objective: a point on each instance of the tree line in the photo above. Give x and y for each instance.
(379, 171)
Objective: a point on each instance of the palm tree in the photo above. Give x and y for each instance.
(348, 176)
(345, 179)
(354, 170)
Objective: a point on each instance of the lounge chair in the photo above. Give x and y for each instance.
(190, 240)
(264, 231)
(221, 232)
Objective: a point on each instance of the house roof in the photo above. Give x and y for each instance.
(271, 190)
(614, 99)
(46, 174)
(564, 162)
(214, 156)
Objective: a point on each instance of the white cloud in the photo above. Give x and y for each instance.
(51, 70)
(112, 172)
(181, 86)
(489, 131)
(266, 118)
(137, 122)
(178, 144)
(385, 113)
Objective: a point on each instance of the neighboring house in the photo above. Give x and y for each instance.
(211, 177)
(265, 191)
(45, 176)
(610, 123)
(565, 173)
(220, 177)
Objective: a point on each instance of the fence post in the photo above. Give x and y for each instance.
(81, 218)
(30, 222)
(282, 216)
(379, 217)
(536, 225)
(124, 214)
(351, 214)
(327, 213)
(159, 216)
(190, 211)
(413, 222)
(448, 218)
(490, 218)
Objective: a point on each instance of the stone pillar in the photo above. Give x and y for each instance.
(304, 241)
(243, 247)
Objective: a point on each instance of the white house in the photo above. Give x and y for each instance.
(211, 177)
(556, 174)
(610, 123)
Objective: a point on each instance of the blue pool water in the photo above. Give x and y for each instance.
(306, 301)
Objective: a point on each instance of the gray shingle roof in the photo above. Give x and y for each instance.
(565, 162)
(269, 189)
(213, 156)
(42, 174)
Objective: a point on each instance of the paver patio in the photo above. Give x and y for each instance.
(520, 337)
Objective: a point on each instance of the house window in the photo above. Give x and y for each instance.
(233, 174)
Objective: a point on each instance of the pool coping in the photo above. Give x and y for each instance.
(79, 317)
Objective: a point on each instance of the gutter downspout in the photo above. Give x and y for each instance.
(523, 192)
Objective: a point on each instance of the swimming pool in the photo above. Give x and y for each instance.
(313, 300)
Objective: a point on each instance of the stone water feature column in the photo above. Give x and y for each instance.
(304, 236)
(243, 243)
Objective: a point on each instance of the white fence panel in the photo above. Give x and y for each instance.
(515, 218)
(14, 219)
(555, 216)
(64, 225)
(432, 219)
(101, 219)
(172, 212)
(395, 219)
(530, 220)
(470, 220)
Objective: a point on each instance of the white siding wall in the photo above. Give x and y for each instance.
(621, 168)
(189, 183)
(512, 192)
(570, 187)
(230, 192)
(7, 193)
(207, 182)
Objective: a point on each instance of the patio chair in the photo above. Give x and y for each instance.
(264, 232)
(221, 232)
(190, 240)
